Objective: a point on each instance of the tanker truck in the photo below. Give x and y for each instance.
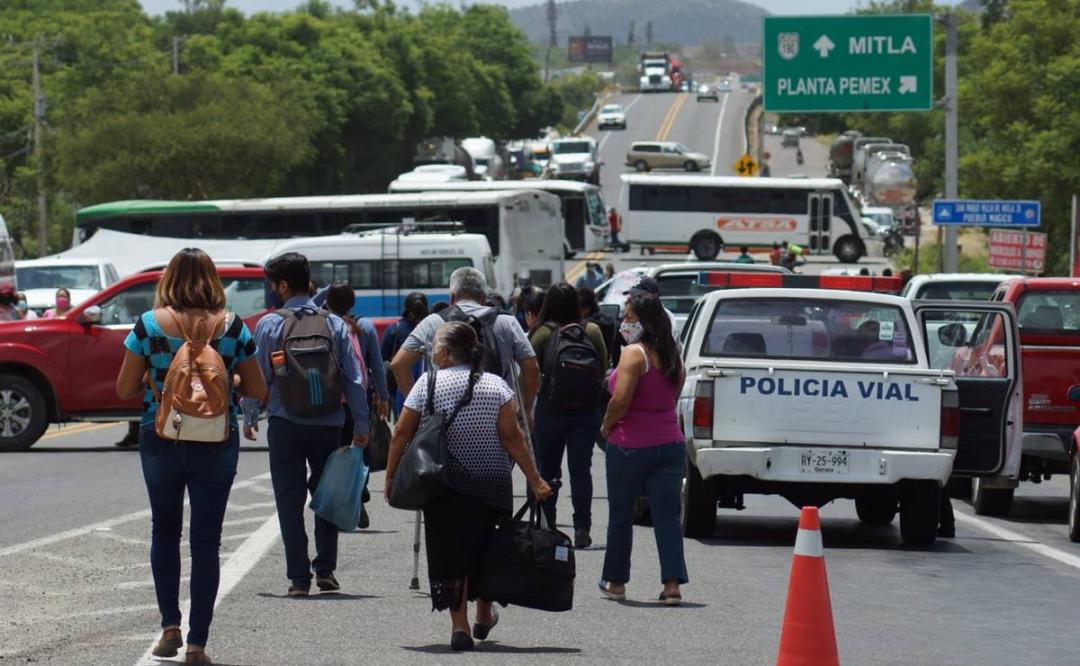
(858, 157)
(891, 182)
(840, 154)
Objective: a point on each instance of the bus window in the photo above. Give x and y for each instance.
(391, 274)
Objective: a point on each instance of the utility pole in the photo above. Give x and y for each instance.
(553, 38)
(949, 258)
(176, 54)
(39, 153)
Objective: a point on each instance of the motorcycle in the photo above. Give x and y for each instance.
(798, 157)
(894, 241)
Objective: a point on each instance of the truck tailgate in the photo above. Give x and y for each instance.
(897, 409)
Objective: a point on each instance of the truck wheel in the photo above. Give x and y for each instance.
(706, 245)
(23, 417)
(876, 510)
(848, 250)
(641, 166)
(959, 487)
(920, 502)
(691, 165)
(1074, 499)
(990, 501)
(698, 505)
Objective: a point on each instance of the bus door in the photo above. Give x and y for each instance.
(575, 215)
(389, 274)
(821, 208)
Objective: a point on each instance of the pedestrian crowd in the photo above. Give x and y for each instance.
(526, 385)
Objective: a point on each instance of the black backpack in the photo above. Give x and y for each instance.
(311, 383)
(572, 371)
(483, 322)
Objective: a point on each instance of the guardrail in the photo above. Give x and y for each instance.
(601, 97)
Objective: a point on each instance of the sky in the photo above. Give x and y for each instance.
(774, 6)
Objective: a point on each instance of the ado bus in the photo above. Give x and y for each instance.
(705, 213)
(523, 228)
(587, 228)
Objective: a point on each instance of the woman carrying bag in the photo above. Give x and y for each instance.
(482, 438)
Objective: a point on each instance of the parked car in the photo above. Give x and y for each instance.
(64, 369)
(649, 155)
(611, 115)
(40, 278)
(705, 92)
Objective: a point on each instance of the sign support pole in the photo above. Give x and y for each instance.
(1023, 252)
(951, 139)
(1072, 239)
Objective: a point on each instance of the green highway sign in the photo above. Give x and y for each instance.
(881, 62)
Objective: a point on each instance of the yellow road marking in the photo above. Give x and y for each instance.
(672, 114)
(575, 272)
(77, 429)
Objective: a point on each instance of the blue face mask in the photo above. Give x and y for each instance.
(273, 298)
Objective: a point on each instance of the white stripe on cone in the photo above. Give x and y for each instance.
(808, 543)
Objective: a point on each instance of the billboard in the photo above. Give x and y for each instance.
(1007, 250)
(590, 49)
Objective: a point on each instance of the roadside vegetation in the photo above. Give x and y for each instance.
(315, 101)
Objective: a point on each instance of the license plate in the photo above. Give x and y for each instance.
(824, 461)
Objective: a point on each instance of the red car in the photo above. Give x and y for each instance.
(64, 369)
(1048, 311)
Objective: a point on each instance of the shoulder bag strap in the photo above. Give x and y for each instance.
(431, 390)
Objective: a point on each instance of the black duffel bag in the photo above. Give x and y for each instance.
(528, 565)
(423, 472)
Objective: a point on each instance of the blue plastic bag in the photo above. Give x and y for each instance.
(337, 498)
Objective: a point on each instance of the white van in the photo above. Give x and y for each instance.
(705, 213)
(386, 265)
(40, 278)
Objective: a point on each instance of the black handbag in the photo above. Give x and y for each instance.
(378, 448)
(528, 565)
(423, 472)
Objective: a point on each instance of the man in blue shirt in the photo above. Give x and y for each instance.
(298, 441)
(413, 312)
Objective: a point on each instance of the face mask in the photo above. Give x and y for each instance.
(63, 302)
(274, 298)
(631, 331)
(21, 306)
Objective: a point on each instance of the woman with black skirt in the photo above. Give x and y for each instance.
(484, 440)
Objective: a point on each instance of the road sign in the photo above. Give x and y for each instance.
(990, 213)
(746, 166)
(848, 63)
(1008, 251)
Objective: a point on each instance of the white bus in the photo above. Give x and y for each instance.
(523, 228)
(583, 209)
(706, 213)
(386, 265)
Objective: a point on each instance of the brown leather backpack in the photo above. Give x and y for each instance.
(193, 405)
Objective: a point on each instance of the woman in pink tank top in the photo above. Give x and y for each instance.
(646, 451)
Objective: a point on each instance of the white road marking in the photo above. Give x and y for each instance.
(241, 562)
(607, 135)
(244, 521)
(1019, 540)
(145, 543)
(237, 537)
(231, 508)
(113, 522)
(136, 584)
(716, 141)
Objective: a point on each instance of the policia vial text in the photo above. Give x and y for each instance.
(825, 388)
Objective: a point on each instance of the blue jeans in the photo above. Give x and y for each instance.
(655, 472)
(293, 447)
(206, 471)
(575, 434)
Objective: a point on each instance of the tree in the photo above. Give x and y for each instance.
(648, 33)
(181, 137)
(588, 30)
(631, 38)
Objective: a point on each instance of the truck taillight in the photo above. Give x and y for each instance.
(950, 419)
(703, 410)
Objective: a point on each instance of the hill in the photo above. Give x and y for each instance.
(686, 22)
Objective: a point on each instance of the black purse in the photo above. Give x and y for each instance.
(528, 565)
(423, 473)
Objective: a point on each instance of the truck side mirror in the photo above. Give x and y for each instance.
(91, 316)
(952, 335)
(1074, 393)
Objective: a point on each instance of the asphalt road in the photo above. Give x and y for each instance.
(75, 586)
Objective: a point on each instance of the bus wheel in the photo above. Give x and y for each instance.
(706, 245)
(848, 250)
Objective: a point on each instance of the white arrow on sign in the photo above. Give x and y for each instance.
(823, 45)
(909, 84)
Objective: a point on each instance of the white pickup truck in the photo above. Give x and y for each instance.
(820, 394)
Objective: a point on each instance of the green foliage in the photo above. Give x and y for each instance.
(578, 92)
(320, 100)
(930, 260)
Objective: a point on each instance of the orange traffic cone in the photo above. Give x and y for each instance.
(808, 637)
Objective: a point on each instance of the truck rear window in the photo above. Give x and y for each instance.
(1049, 313)
(809, 329)
(958, 291)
